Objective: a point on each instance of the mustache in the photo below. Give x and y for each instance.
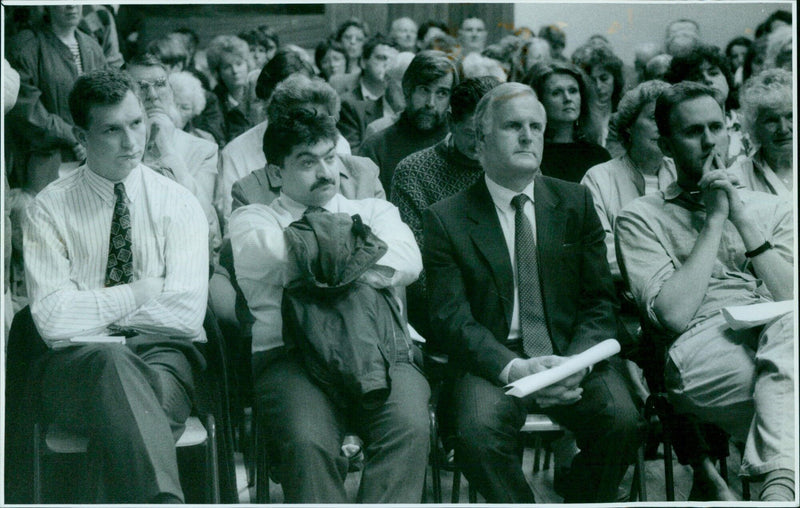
(322, 182)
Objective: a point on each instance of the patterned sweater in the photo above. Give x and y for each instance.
(420, 180)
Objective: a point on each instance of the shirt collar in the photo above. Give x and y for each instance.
(297, 209)
(104, 188)
(502, 196)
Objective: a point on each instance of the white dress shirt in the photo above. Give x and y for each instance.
(261, 255)
(66, 242)
(240, 157)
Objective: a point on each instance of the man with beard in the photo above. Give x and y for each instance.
(426, 85)
(699, 246)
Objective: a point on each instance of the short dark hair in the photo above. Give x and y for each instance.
(98, 88)
(737, 41)
(427, 67)
(375, 41)
(779, 15)
(325, 47)
(298, 91)
(675, 95)
(686, 67)
(552, 33)
(285, 63)
(347, 24)
(258, 38)
(466, 95)
(300, 126)
(431, 23)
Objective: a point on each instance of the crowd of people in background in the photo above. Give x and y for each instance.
(401, 107)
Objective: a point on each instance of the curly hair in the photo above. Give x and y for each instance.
(590, 56)
(766, 90)
(223, 45)
(632, 104)
(100, 87)
(686, 67)
(587, 126)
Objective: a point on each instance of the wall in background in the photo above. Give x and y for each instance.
(629, 24)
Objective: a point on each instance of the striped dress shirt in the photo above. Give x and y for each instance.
(66, 248)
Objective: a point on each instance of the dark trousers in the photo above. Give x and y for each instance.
(606, 424)
(132, 402)
(304, 432)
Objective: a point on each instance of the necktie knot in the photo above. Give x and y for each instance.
(518, 202)
(119, 190)
(314, 209)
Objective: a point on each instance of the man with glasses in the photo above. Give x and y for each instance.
(427, 83)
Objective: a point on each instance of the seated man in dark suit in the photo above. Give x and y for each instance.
(114, 248)
(502, 317)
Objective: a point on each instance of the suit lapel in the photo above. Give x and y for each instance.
(487, 235)
(550, 224)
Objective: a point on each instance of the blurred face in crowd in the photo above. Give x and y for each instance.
(711, 75)
(154, 89)
(511, 144)
(697, 130)
(427, 106)
(464, 136)
(562, 99)
(681, 37)
(185, 109)
(379, 61)
(774, 131)
(644, 133)
(261, 55)
(432, 33)
(472, 35)
(65, 16)
(604, 84)
(114, 138)
(404, 34)
(353, 42)
(233, 71)
(333, 63)
(310, 173)
(537, 50)
(738, 53)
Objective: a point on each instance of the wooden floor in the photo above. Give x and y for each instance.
(541, 482)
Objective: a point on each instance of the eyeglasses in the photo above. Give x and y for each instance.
(156, 84)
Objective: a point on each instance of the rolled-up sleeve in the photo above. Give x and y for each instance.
(402, 262)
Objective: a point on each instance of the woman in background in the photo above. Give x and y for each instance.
(572, 132)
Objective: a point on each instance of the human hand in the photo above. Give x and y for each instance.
(566, 391)
(79, 151)
(160, 131)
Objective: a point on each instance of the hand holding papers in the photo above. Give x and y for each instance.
(530, 384)
(748, 316)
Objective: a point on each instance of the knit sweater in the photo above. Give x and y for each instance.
(420, 180)
(389, 146)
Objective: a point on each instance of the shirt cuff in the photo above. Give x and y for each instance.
(507, 371)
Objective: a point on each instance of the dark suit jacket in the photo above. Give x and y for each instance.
(358, 179)
(356, 113)
(470, 280)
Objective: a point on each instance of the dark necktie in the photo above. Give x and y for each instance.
(119, 269)
(535, 337)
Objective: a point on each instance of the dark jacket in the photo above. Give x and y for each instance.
(347, 332)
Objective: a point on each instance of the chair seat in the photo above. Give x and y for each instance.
(60, 440)
(535, 422)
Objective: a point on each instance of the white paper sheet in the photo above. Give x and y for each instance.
(748, 316)
(535, 382)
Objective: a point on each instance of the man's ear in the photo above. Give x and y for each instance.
(79, 134)
(664, 145)
(274, 174)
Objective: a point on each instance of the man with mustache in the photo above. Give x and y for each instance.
(305, 422)
(517, 281)
(699, 246)
(427, 83)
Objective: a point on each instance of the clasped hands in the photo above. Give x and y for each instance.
(565, 392)
(719, 187)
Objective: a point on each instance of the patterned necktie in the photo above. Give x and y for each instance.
(119, 269)
(535, 337)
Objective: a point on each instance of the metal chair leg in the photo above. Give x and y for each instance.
(669, 481)
(456, 492)
(212, 461)
(473, 494)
